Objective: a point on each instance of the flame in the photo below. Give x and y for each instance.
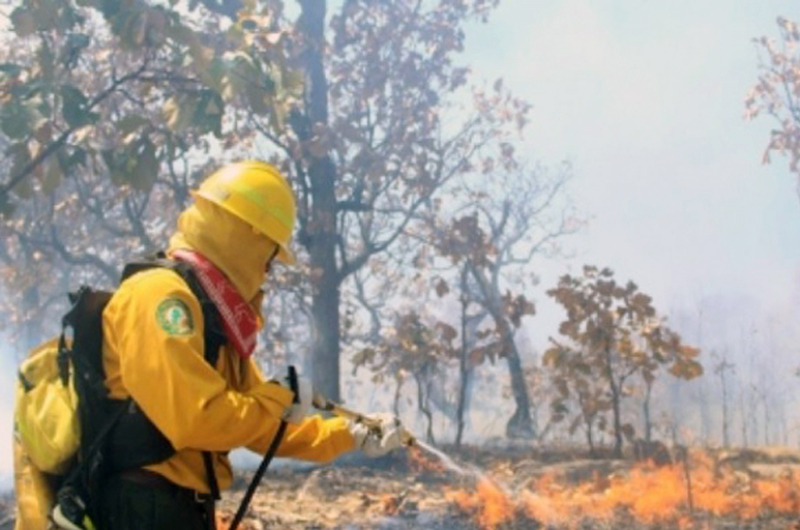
(650, 495)
(490, 504)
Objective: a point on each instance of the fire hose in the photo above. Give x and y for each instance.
(321, 403)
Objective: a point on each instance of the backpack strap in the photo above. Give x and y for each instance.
(84, 354)
(115, 434)
(213, 338)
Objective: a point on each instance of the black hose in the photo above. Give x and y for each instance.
(251, 489)
(268, 456)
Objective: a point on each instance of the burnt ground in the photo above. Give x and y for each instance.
(404, 493)
(401, 493)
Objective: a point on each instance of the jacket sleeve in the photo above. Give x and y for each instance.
(314, 439)
(155, 323)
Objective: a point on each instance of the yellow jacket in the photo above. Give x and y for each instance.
(195, 406)
(160, 364)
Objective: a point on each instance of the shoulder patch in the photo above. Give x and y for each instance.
(174, 317)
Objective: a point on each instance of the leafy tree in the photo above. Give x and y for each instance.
(777, 93)
(613, 335)
(134, 117)
(110, 111)
(664, 349)
(413, 348)
(574, 380)
(378, 132)
(112, 84)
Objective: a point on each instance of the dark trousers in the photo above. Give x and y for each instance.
(128, 505)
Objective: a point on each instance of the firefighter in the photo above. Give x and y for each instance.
(153, 351)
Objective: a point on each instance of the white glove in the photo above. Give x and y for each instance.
(379, 440)
(305, 393)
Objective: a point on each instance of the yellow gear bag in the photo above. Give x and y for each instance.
(34, 492)
(46, 410)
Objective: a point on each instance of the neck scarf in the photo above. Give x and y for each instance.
(238, 317)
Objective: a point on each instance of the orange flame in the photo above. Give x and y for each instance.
(490, 504)
(648, 494)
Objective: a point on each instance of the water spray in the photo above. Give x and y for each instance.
(483, 480)
(322, 403)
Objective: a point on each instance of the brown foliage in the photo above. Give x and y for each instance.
(777, 93)
(613, 334)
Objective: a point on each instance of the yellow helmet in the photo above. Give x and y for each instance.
(259, 195)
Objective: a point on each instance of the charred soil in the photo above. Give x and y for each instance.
(525, 489)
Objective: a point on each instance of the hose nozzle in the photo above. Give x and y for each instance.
(320, 402)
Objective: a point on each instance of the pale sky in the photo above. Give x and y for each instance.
(645, 99)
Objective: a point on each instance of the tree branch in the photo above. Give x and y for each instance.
(62, 139)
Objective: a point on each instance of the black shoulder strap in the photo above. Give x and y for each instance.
(109, 427)
(84, 322)
(213, 334)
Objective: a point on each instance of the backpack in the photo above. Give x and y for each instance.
(69, 434)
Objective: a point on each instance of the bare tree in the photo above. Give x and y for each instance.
(721, 369)
(495, 236)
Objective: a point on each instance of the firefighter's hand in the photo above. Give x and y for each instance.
(377, 440)
(299, 410)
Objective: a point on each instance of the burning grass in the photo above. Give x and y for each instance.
(686, 495)
(527, 490)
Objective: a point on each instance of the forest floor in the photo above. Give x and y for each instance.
(530, 489)
(524, 488)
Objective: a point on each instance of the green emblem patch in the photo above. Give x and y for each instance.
(174, 317)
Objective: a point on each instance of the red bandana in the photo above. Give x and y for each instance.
(239, 318)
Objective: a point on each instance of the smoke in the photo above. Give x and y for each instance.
(7, 371)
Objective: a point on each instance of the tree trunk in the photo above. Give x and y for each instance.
(462, 365)
(321, 225)
(767, 418)
(520, 425)
(325, 344)
(743, 415)
(423, 405)
(752, 406)
(726, 442)
(615, 402)
(462, 405)
(705, 413)
(648, 423)
(396, 399)
(617, 422)
(590, 437)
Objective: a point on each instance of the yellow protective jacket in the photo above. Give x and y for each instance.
(199, 408)
(159, 362)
